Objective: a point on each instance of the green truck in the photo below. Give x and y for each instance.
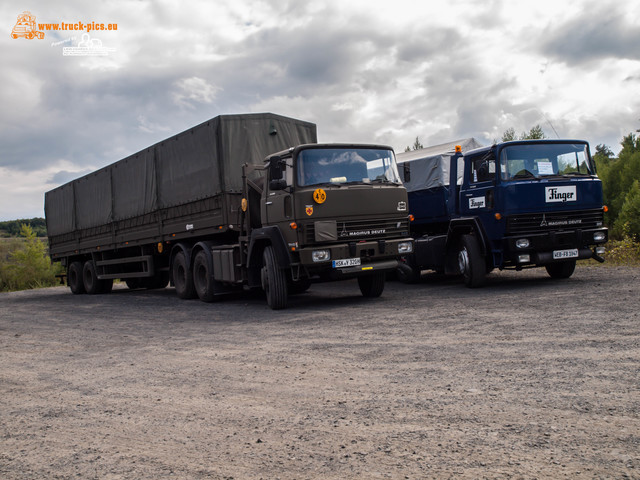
(238, 202)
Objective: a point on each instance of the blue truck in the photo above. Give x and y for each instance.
(511, 205)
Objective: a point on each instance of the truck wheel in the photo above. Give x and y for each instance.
(274, 281)
(473, 266)
(74, 278)
(371, 286)
(92, 285)
(182, 277)
(408, 273)
(206, 287)
(561, 269)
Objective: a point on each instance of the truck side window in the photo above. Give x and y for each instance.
(483, 168)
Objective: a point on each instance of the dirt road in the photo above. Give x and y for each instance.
(526, 378)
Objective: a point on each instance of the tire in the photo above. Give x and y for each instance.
(206, 287)
(182, 277)
(274, 280)
(408, 273)
(92, 285)
(561, 269)
(74, 278)
(371, 286)
(472, 264)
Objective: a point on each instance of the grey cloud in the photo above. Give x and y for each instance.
(594, 35)
(65, 176)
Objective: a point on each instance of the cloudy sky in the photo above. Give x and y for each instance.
(363, 71)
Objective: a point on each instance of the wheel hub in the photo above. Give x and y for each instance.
(463, 260)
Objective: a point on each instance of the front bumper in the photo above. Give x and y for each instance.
(374, 255)
(542, 245)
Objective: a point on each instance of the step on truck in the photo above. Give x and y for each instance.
(238, 202)
(513, 205)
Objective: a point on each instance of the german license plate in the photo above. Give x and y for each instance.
(560, 254)
(346, 262)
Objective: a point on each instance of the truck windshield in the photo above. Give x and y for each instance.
(346, 165)
(545, 160)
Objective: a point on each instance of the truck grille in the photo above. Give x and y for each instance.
(532, 223)
(376, 228)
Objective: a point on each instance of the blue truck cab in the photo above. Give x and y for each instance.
(519, 204)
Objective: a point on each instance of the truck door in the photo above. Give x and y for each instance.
(278, 205)
(477, 193)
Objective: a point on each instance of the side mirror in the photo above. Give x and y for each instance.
(275, 167)
(278, 184)
(406, 171)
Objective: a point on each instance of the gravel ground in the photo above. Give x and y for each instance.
(527, 378)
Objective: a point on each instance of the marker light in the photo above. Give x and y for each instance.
(293, 225)
(498, 216)
(458, 148)
(411, 218)
(605, 208)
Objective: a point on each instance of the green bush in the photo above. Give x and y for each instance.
(25, 264)
(625, 251)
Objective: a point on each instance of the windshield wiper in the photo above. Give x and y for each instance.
(574, 173)
(525, 174)
(384, 180)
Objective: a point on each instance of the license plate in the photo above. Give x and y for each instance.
(559, 254)
(346, 262)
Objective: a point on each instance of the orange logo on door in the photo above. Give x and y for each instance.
(26, 27)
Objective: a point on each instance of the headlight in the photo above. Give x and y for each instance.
(522, 243)
(320, 255)
(599, 237)
(405, 247)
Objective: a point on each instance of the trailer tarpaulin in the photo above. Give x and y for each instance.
(430, 166)
(250, 138)
(59, 210)
(134, 185)
(199, 163)
(188, 165)
(93, 199)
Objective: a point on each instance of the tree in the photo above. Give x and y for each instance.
(12, 228)
(618, 177)
(603, 155)
(28, 266)
(416, 145)
(509, 135)
(536, 133)
(628, 222)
